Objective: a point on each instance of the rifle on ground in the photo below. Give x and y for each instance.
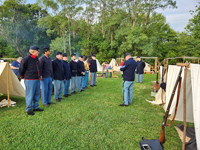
(163, 125)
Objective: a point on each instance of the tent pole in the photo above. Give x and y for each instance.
(156, 65)
(184, 109)
(8, 90)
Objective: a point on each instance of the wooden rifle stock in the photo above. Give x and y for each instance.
(162, 134)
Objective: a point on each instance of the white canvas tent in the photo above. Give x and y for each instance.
(114, 65)
(147, 67)
(99, 68)
(192, 96)
(9, 84)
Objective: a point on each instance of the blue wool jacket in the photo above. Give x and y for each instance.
(80, 68)
(140, 67)
(129, 69)
(58, 72)
(73, 68)
(67, 71)
(29, 68)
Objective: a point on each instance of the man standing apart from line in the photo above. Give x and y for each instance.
(67, 75)
(73, 67)
(46, 70)
(140, 69)
(93, 70)
(58, 76)
(80, 73)
(30, 70)
(15, 67)
(85, 80)
(128, 79)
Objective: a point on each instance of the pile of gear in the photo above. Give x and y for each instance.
(4, 103)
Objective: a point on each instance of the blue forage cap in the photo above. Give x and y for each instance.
(58, 53)
(81, 56)
(138, 56)
(94, 55)
(65, 55)
(73, 55)
(126, 54)
(34, 48)
(46, 48)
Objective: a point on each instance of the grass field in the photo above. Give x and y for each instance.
(91, 119)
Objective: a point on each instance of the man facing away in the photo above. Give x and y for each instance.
(58, 76)
(140, 69)
(128, 79)
(30, 70)
(73, 68)
(80, 73)
(67, 75)
(15, 67)
(46, 72)
(93, 70)
(85, 80)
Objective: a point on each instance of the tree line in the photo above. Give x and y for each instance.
(107, 28)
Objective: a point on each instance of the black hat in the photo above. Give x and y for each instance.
(138, 56)
(126, 54)
(85, 57)
(46, 48)
(58, 53)
(73, 55)
(34, 48)
(94, 55)
(64, 54)
(81, 56)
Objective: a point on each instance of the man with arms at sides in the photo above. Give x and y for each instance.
(80, 73)
(128, 79)
(58, 76)
(15, 67)
(67, 75)
(93, 70)
(73, 67)
(140, 69)
(29, 69)
(85, 80)
(46, 70)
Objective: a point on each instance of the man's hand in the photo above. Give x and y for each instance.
(41, 78)
(64, 79)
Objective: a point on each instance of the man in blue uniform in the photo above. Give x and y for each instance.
(67, 75)
(29, 69)
(58, 76)
(128, 69)
(46, 72)
(140, 69)
(73, 68)
(80, 73)
(93, 70)
(15, 67)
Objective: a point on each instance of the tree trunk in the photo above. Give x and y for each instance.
(111, 37)
(64, 41)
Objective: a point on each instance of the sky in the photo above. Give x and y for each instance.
(176, 18)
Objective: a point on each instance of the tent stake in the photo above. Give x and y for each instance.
(8, 90)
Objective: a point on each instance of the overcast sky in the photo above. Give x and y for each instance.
(177, 18)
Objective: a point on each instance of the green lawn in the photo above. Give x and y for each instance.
(91, 119)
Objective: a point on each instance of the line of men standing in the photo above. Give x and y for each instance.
(39, 73)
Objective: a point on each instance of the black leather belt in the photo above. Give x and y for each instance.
(74, 70)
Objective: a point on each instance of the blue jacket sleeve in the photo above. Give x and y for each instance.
(124, 66)
(23, 67)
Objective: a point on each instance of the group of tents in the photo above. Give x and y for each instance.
(192, 84)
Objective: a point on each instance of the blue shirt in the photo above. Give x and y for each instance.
(16, 64)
